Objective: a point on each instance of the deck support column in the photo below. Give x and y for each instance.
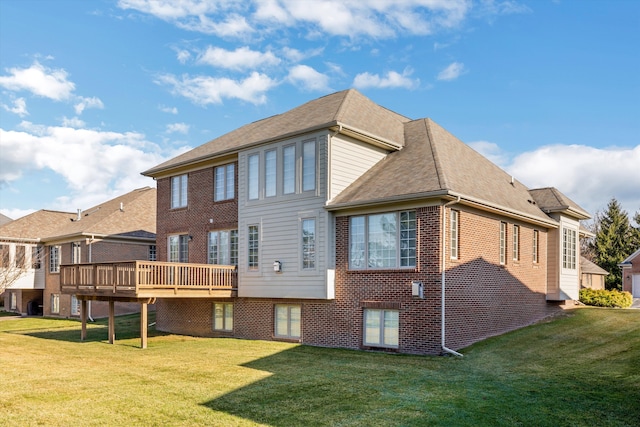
(83, 319)
(143, 324)
(112, 322)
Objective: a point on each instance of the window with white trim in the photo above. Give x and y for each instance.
(36, 257)
(253, 247)
(287, 321)
(75, 306)
(503, 243)
(223, 247)
(253, 176)
(308, 244)
(5, 256)
(179, 248)
(179, 190)
(55, 303)
(516, 243)
(309, 165)
(21, 256)
(223, 317)
(385, 240)
(13, 301)
(536, 245)
(569, 248)
(76, 253)
(270, 161)
(381, 328)
(224, 182)
(454, 244)
(54, 259)
(289, 169)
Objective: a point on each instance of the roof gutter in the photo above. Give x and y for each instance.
(20, 239)
(443, 279)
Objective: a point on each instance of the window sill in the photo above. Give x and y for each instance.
(384, 270)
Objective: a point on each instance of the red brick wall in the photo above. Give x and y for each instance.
(194, 220)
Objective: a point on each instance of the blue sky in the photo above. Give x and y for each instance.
(94, 92)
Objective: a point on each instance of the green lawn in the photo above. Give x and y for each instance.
(581, 369)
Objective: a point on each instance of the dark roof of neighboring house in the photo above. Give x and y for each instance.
(348, 108)
(589, 267)
(136, 219)
(549, 199)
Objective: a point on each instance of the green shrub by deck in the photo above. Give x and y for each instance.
(604, 298)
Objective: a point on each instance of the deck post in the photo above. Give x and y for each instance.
(112, 322)
(143, 324)
(83, 319)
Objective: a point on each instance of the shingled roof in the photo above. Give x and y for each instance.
(137, 218)
(348, 108)
(550, 199)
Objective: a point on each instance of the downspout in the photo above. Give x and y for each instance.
(89, 302)
(444, 266)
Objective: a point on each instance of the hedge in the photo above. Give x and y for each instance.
(604, 298)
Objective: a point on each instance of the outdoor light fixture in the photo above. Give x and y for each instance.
(277, 266)
(417, 289)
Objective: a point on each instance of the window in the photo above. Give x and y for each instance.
(223, 247)
(224, 186)
(383, 240)
(381, 328)
(535, 246)
(21, 256)
(13, 301)
(308, 165)
(568, 248)
(54, 259)
(179, 248)
(516, 242)
(223, 317)
(36, 260)
(76, 253)
(289, 169)
(179, 191)
(270, 173)
(153, 254)
(287, 321)
(5, 257)
(454, 234)
(75, 306)
(308, 244)
(254, 177)
(503, 243)
(253, 247)
(55, 303)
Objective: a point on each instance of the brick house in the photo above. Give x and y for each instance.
(631, 274)
(353, 226)
(118, 230)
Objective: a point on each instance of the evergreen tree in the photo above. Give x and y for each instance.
(613, 242)
(635, 240)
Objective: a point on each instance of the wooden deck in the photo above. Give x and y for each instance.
(137, 280)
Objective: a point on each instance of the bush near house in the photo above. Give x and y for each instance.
(604, 298)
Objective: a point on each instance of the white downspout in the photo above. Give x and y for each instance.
(444, 266)
(89, 302)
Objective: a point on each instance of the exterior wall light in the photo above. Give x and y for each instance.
(417, 289)
(277, 266)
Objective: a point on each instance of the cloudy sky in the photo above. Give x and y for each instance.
(94, 92)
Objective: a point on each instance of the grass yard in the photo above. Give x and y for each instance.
(580, 370)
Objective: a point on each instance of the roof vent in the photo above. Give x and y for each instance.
(79, 217)
(121, 207)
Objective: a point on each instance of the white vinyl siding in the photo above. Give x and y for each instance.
(287, 321)
(381, 328)
(350, 159)
(179, 190)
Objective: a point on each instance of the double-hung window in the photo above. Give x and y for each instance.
(179, 248)
(287, 321)
(516, 242)
(381, 328)
(224, 186)
(54, 259)
(76, 253)
(385, 240)
(36, 261)
(569, 248)
(223, 247)
(75, 306)
(253, 248)
(55, 303)
(308, 243)
(153, 253)
(503, 243)
(454, 234)
(535, 245)
(223, 317)
(179, 188)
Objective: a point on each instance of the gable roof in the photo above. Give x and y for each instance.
(348, 109)
(4, 219)
(589, 267)
(550, 199)
(137, 219)
(434, 163)
(629, 259)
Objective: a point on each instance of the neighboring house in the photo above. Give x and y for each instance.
(4, 219)
(591, 275)
(631, 274)
(118, 230)
(353, 226)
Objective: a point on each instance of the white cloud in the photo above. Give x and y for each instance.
(452, 72)
(170, 110)
(308, 78)
(73, 122)
(84, 103)
(19, 107)
(40, 81)
(16, 213)
(239, 59)
(295, 55)
(183, 56)
(491, 151)
(96, 165)
(205, 90)
(178, 127)
(392, 79)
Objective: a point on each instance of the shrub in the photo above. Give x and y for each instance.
(604, 298)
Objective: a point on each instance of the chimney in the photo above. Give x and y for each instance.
(79, 217)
